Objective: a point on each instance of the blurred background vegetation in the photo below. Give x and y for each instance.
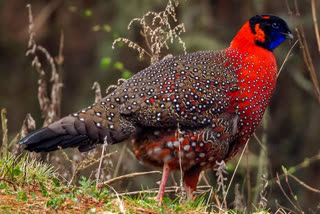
(89, 29)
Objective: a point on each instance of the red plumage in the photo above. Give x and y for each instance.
(184, 112)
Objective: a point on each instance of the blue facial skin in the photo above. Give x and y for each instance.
(276, 39)
(276, 30)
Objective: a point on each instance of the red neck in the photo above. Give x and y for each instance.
(244, 42)
(257, 78)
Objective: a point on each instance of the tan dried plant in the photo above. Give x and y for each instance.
(50, 105)
(157, 32)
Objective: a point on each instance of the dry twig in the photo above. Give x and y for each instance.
(157, 32)
(315, 22)
(305, 49)
(304, 184)
(287, 57)
(100, 165)
(286, 195)
(4, 145)
(97, 89)
(49, 105)
(263, 200)
(235, 170)
(122, 177)
(172, 189)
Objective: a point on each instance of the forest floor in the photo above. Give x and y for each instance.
(31, 199)
(29, 186)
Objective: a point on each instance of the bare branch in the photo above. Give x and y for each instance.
(284, 193)
(304, 184)
(315, 22)
(122, 177)
(4, 125)
(287, 57)
(235, 170)
(306, 53)
(50, 106)
(96, 87)
(29, 124)
(100, 164)
(157, 32)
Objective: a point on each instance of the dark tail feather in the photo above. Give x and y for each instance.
(67, 132)
(70, 131)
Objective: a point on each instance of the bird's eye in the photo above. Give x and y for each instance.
(275, 25)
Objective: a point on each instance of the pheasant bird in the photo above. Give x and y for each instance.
(187, 111)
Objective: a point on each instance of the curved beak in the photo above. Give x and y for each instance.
(288, 35)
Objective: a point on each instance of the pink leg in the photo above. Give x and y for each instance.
(165, 173)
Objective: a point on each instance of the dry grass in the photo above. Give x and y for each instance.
(300, 32)
(50, 105)
(157, 32)
(36, 202)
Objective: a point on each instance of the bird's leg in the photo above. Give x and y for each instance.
(165, 173)
(190, 180)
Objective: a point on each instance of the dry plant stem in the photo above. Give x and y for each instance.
(305, 51)
(305, 163)
(157, 32)
(14, 141)
(50, 106)
(259, 141)
(263, 202)
(97, 89)
(60, 58)
(287, 57)
(304, 184)
(120, 159)
(121, 206)
(28, 124)
(220, 172)
(209, 199)
(283, 210)
(248, 177)
(131, 175)
(308, 61)
(180, 161)
(84, 163)
(172, 189)
(285, 194)
(238, 202)
(130, 152)
(315, 22)
(4, 121)
(291, 192)
(45, 13)
(146, 191)
(235, 170)
(173, 179)
(122, 177)
(100, 165)
(56, 89)
(204, 177)
(75, 172)
(6, 164)
(263, 157)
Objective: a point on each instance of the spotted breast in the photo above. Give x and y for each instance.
(185, 112)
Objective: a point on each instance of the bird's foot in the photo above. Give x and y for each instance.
(157, 198)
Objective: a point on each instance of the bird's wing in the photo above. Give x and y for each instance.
(188, 90)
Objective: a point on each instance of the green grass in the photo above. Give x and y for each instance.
(21, 169)
(27, 185)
